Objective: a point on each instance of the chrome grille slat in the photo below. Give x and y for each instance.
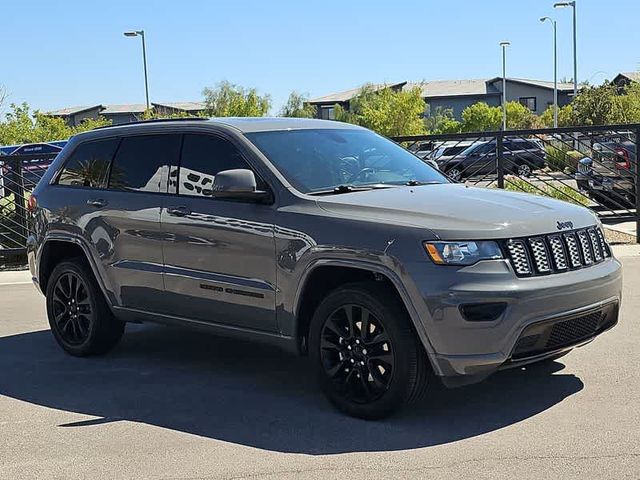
(519, 257)
(572, 247)
(557, 252)
(540, 256)
(585, 248)
(595, 245)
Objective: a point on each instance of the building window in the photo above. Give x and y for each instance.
(529, 102)
(327, 113)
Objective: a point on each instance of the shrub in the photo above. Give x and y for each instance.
(559, 191)
(561, 159)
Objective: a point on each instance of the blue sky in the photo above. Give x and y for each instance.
(62, 53)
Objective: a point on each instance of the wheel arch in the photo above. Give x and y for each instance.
(359, 269)
(56, 248)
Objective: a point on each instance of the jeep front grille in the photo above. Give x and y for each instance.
(556, 253)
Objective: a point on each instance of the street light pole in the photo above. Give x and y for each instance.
(555, 69)
(140, 33)
(572, 4)
(504, 46)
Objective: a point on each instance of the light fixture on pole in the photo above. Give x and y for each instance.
(504, 46)
(140, 33)
(572, 4)
(555, 68)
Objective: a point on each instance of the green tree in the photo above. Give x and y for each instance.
(297, 106)
(229, 100)
(480, 117)
(520, 117)
(598, 105)
(20, 125)
(565, 116)
(441, 121)
(388, 112)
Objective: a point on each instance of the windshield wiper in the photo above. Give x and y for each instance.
(338, 189)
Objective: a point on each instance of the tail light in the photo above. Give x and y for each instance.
(622, 162)
(32, 204)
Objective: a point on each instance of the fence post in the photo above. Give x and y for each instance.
(500, 159)
(636, 190)
(20, 204)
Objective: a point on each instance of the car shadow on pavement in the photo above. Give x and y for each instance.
(254, 395)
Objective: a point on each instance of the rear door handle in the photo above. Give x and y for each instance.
(180, 211)
(96, 202)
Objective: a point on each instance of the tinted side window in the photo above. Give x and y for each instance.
(88, 165)
(141, 161)
(203, 156)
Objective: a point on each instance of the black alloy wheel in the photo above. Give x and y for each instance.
(80, 318)
(366, 354)
(72, 310)
(357, 354)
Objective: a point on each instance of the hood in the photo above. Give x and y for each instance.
(457, 212)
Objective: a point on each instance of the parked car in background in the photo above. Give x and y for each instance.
(422, 149)
(450, 149)
(521, 157)
(608, 176)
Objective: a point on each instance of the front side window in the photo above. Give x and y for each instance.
(203, 156)
(88, 165)
(320, 159)
(141, 161)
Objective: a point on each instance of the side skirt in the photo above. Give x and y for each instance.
(283, 342)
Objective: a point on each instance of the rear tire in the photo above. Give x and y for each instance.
(367, 356)
(78, 314)
(455, 174)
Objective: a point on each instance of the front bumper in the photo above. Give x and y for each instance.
(465, 351)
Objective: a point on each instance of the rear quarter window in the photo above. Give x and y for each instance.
(88, 165)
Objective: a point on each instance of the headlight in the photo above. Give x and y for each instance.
(462, 253)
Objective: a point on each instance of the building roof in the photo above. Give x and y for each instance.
(124, 108)
(349, 94)
(447, 88)
(451, 88)
(633, 76)
(135, 108)
(72, 110)
(186, 106)
(563, 86)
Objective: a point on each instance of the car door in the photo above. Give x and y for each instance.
(218, 253)
(131, 213)
(482, 160)
(118, 185)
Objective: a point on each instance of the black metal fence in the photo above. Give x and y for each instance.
(592, 166)
(19, 174)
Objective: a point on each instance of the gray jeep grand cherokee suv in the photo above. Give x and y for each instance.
(320, 237)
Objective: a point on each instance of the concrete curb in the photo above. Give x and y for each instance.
(626, 250)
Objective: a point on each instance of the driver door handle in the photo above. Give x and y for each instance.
(179, 211)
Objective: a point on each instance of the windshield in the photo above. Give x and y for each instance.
(321, 159)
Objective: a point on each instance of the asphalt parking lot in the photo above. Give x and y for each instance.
(169, 404)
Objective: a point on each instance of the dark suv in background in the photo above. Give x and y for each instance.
(321, 238)
(609, 175)
(521, 157)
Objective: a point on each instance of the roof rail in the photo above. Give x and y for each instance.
(155, 120)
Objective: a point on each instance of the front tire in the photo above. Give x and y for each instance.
(78, 314)
(367, 357)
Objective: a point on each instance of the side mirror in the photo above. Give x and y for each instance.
(238, 184)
